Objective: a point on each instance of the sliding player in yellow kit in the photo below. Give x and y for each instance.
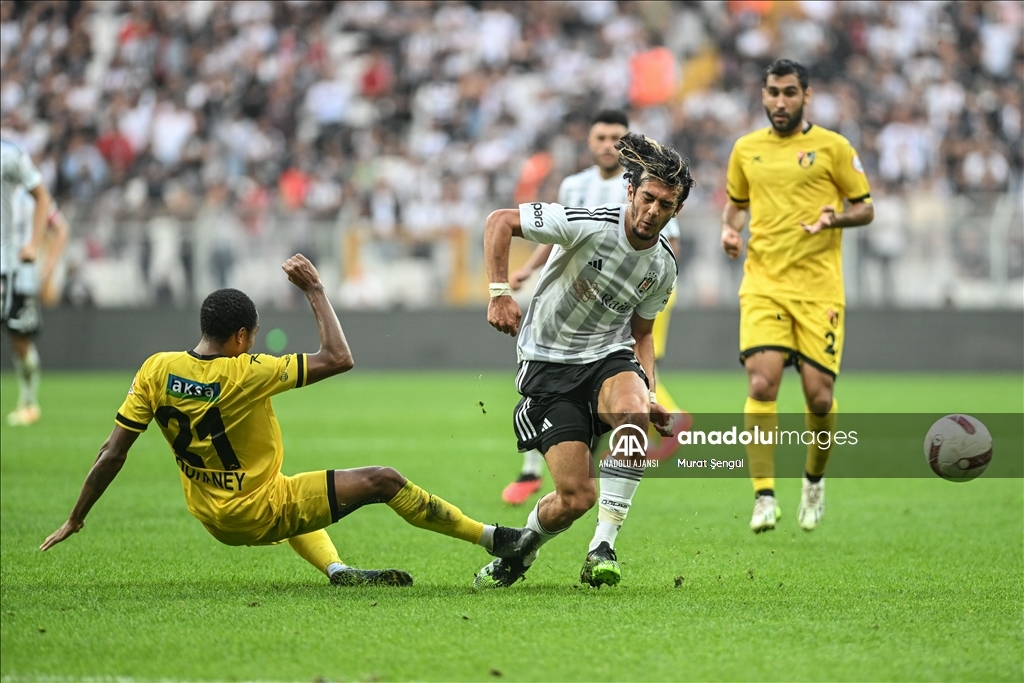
(792, 179)
(213, 407)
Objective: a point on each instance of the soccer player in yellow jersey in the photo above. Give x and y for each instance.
(213, 407)
(799, 184)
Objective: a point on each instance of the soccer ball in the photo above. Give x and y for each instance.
(958, 447)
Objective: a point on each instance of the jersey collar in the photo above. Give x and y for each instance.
(200, 356)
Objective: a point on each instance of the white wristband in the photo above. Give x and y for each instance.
(500, 289)
(654, 397)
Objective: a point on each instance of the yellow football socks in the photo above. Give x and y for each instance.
(763, 414)
(316, 548)
(818, 452)
(425, 511)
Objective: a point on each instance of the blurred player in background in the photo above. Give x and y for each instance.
(22, 230)
(586, 347)
(213, 407)
(791, 179)
(599, 185)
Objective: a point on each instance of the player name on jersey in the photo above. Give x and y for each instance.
(226, 481)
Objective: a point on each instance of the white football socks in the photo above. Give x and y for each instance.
(618, 486)
(533, 522)
(27, 372)
(487, 538)
(533, 461)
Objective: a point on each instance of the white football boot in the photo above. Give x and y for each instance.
(812, 505)
(766, 514)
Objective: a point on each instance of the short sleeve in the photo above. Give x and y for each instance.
(547, 224)
(736, 185)
(26, 172)
(655, 302)
(849, 174)
(136, 412)
(264, 376)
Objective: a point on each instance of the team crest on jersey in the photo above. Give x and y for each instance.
(179, 387)
(833, 317)
(805, 159)
(646, 283)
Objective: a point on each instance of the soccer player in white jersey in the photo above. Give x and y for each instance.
(601, 184)
(585, 347)
(18, 279)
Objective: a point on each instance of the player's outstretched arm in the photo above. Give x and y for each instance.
(40, 218)
(537, 259)
(113, 453)
(56, 238)
(503, 312)
(642, 331)
(734, 219)
(334, 356)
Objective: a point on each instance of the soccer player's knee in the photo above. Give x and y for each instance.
(821, 402)
(385, 482)
(763, 388)
(631, 408)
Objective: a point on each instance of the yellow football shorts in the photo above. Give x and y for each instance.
(660, 331)
(806, 331)
(297, 505)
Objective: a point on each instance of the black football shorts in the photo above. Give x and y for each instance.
(560, 401)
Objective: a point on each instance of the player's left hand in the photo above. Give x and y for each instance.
(661, 419)
(826, 220)
(69, 527)
(27, 253)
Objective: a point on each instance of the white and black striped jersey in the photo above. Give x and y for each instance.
(591, 284)
(16, 170)
(588, 188)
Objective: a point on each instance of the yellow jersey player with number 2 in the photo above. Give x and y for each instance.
(799, 184)
(213, 407)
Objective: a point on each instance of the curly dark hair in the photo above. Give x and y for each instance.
(225, 312)
(644, 158)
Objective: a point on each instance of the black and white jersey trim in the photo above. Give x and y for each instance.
(604, 215)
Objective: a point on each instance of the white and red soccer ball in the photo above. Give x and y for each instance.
(958, 447)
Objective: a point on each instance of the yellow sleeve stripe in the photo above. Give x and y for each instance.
(300, 369)
(130, 424)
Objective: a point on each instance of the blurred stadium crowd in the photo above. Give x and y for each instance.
(196, 144)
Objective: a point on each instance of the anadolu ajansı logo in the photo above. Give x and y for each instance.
(628, 441)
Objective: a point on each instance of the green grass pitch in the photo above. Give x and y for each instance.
(905, 580)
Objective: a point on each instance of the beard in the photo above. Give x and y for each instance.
(791, 123)
(635, 221)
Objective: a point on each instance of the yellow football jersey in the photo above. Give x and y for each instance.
(788, 180)
(216, 414)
